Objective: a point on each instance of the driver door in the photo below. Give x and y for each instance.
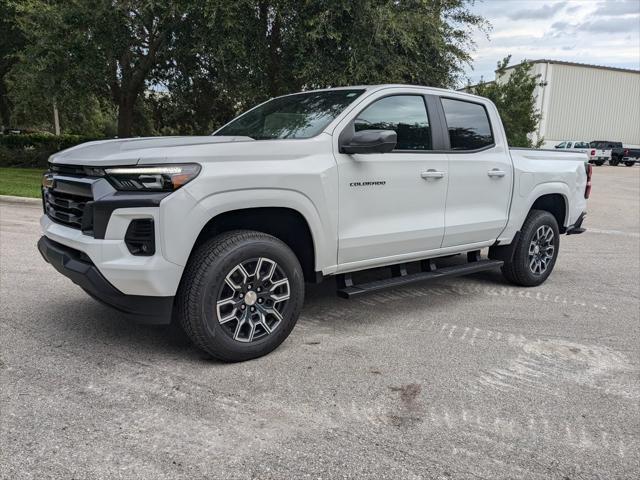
(391, 205)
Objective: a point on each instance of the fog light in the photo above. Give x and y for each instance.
(140, 237)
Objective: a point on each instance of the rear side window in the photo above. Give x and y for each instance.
(468, 124)
(405, 114)
(581, 145)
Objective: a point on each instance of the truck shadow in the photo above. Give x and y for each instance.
(85, 325)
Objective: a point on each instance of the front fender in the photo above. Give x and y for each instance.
(183, 221)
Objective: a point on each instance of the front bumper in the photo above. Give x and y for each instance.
(130, 274)
(77, 266)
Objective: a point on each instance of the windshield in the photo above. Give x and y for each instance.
(303, 115)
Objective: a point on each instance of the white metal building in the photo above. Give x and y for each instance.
(587, 102)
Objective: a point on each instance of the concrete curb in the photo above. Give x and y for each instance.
(20, 200)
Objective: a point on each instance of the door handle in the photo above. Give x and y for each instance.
(431, 173)
(495, 172)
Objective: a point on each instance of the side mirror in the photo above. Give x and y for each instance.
(370, 141)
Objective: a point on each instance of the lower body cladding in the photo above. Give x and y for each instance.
(142, 285)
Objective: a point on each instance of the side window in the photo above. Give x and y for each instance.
(569, 144)
(468, 123)
(405, 114)
(561, 145)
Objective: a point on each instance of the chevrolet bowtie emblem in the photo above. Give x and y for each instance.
(47, 181)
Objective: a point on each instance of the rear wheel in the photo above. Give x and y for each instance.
(599, 163)
(241, 295)
(629, 164)
(614, 162)
(536, 252)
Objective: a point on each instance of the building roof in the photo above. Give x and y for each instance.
(576, 64)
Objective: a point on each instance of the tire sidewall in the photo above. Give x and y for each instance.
(211, 284)
(542, 218)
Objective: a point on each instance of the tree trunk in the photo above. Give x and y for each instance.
(56, 118)
(125, 114)
(5, 107)
(274, 66)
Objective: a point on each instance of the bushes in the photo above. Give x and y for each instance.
(33, 150)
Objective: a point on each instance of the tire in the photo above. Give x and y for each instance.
(524, 271)
(599, 163)
(614, 162)
(232, 277)
(629, 164)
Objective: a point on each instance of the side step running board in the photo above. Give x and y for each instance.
(349, 290)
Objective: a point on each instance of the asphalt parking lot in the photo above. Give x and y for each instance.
(464, 378)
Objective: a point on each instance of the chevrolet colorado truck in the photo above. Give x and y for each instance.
(221, 232)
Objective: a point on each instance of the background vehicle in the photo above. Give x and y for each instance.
(630, 156)
(614, 152)
(603, 151)
(574, 146)
(224, 230)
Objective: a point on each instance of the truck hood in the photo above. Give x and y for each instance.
(131, 151)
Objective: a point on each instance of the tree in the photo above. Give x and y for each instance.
(512, 92)
(243, 52)
(107, 48)
(205, 61)
(11, 42)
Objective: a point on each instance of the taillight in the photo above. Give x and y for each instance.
(587, 190)
(593, 153)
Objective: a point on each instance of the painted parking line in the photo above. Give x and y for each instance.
(614, 232)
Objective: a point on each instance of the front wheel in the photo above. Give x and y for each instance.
(599, 163)
(241, 295)
(536, 251)
(629, 164)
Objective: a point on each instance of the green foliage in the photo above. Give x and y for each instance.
(107, 50)
(512, 92)
(21, 182)
(33, 150)
(208, 60)
(11, 42)
(223, 66)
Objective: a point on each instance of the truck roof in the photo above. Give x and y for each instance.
(372, 88)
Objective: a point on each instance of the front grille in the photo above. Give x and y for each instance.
(65, 208)
(67, 169)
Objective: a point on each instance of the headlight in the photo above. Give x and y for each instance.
(157, 178)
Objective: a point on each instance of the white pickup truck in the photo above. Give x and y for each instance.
(222, 231)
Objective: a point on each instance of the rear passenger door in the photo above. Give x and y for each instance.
(480, 176)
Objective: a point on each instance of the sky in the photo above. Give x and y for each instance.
(600, 32)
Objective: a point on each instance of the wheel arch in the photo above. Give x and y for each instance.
(286, 224)
(552, 197)
(313, 238)
(556, 205)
